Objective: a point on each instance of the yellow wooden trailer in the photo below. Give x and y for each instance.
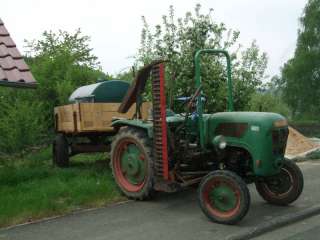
(85, 125)
(79, 118)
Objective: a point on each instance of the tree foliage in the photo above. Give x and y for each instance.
(21, 124)
(177, 40)
(60, 62)
(301, 74)
(268, 102)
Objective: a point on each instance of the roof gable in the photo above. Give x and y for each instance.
(13, 69)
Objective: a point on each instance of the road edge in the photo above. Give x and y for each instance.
(74, 212)
(276, 223)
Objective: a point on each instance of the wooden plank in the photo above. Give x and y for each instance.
(65, 118)
(93, 117)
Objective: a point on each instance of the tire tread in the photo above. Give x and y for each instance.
(139, 135)
(245, 201)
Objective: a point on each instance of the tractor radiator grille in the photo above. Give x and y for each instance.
(159, 122)
(279, 141)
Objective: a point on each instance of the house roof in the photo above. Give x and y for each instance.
(13, 69)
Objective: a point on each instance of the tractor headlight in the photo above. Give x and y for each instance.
(220, 142)
(222, 145)
(280, 123)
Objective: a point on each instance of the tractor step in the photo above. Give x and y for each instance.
(169, 187)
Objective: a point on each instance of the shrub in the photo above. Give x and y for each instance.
(21, 125)
(266, 102)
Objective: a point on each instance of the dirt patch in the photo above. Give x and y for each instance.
(299, 144)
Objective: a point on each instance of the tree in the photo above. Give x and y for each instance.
(301, 74)
(61, 62)
(276, 86)
(268, 102)
(177, 40)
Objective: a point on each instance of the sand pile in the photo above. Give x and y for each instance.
(298, 144)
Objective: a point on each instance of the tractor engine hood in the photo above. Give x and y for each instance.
(265, 120)
(263, 135)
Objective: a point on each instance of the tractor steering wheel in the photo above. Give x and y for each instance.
(193, 98)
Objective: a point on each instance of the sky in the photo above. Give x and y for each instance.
(115, 26)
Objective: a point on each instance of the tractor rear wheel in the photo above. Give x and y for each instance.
(60, 148)
(131, 163)
(285, 187)
(224, 197)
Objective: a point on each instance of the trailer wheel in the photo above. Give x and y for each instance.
(60, 150)
(131, 163)
(224, 197)
(283, 188)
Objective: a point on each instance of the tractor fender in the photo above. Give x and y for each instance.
(260, 165)
(136, 123)
(263, 163)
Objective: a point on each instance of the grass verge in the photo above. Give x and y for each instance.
(31, 188)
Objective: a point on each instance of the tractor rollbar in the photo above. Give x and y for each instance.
(199, 84)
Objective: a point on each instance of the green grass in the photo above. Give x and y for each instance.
(31, 188)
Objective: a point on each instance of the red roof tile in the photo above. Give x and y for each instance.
(13, 69)
(3, 30)
(4, 52)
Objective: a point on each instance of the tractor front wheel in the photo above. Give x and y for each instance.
(285, 187)
(131, 163)
(224, 197)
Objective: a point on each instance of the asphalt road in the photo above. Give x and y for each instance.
(170, 216)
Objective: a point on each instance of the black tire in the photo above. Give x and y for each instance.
(60, 148)
(139, 139)
(239, 189)
(283, 188)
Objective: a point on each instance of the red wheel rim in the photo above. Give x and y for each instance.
(210, 205)
(120, 176)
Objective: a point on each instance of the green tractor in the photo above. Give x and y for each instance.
(222, 151)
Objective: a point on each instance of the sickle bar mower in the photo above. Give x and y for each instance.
(159, 122)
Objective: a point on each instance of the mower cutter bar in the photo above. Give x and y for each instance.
(159, 122)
